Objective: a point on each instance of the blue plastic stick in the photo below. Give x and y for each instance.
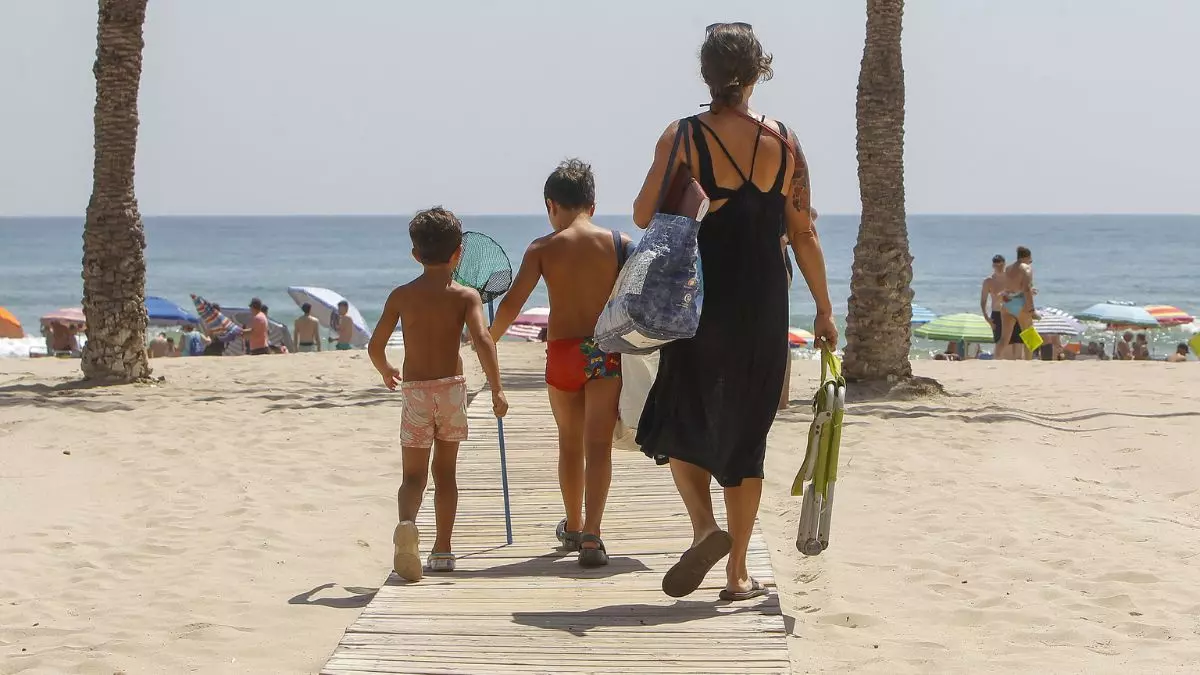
(503, 462)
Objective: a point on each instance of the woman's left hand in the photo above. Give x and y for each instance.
(825, 331)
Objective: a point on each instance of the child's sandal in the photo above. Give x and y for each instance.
(592, 557)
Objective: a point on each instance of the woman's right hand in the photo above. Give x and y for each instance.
(825, 331)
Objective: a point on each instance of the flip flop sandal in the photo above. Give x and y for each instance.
(568, 538)
(440, 562)
(592, 557)
(756, 590)
(686, 575)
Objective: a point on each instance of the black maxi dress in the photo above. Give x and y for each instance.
(716, 394)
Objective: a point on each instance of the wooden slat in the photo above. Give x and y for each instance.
(527, 608)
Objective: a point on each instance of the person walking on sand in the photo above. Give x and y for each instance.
(307, 330)
(579, 262)
(989, 294)
(715, 397)
(1017, 311)
(432, 310)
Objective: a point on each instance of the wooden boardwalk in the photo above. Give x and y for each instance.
(528, 608)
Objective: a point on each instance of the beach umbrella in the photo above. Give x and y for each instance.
(277, 333)
(214, 321)
(957, 328)
(163, 312)
(9, 326)
(1057, 322)
(328, 300)
(920, 315)
(1167, 315)
(798, 337)
(72, 316)
(1116, 313)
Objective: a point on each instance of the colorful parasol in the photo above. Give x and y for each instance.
(216, 323)
(957, 328)
(798, 337)
(920, 315)
(72, 316)
(1057, 322)
(9, 326)
(1168, 315)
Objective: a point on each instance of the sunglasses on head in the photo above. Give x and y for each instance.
(739, 24)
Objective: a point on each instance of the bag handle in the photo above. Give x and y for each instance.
(680, 134)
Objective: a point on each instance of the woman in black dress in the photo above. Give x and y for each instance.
(716, 395)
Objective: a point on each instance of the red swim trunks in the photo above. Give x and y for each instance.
(572, 362)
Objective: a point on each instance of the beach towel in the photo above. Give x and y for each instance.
(637, 376)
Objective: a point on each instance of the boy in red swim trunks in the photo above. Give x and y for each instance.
(432, 310)
(579, 262)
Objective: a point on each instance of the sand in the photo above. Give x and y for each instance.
(1045, 517)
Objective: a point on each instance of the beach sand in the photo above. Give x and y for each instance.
(1045, 517)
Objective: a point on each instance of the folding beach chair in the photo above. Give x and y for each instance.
(817, 475)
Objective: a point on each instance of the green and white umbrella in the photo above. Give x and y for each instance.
(957, 328)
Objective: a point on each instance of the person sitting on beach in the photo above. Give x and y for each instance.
(1180, 355)
(1141, 348)
(307, 330)
(345, 327)
(951, 353)
(432, 310)
(62, 339)
(579, 262)
(257, 332)
(1124, 349)
(1017, 310)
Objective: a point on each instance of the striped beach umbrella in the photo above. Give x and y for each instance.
(920, 315)
(957, 328)
(1167, 315)
(214, 321)
(1057, 322)
(798, 337)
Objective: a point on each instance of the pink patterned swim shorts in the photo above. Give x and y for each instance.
(434, 409)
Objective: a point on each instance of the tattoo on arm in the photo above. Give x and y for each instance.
(801, 198)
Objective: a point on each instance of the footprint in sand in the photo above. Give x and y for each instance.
(848, 620)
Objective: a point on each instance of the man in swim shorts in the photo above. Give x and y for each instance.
(1017, 310)
(579, 262)
(991, 292)
(345, 328)
(307, 331)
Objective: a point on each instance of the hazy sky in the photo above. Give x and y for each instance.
(385, 106)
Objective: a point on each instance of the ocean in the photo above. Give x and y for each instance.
(1078, 260)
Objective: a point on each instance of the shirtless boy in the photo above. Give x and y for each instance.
(432, 310)
(579, 262)
(307, 331)
(1017, 311)
(345, 327)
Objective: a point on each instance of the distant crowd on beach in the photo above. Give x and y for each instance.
(1007, 302)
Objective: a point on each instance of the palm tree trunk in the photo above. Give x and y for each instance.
(878, 325)
(114, 242)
